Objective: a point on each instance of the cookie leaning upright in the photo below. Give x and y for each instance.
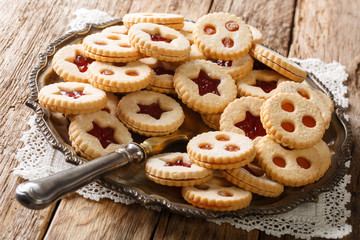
(222, 36)
(159, 41)
(278, 62)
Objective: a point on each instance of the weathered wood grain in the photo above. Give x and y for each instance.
(330, 30)
(273, 18)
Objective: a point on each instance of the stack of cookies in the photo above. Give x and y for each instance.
(268, 126)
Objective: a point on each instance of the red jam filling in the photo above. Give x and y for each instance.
(232, 148)
(82, 63)
(105, 135)
(206, 84)
(210, 30)
(266, 86)
(224, 193)
(228, 42)
(232, 26)
(73, 94)
(158, 38)
(179, 162)
(163, 71)
(206, 146)
(153, 110)
(279, 161)
(252, 126)
(303, 162)
(223, 63)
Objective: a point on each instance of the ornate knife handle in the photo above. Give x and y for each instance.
(41, 193)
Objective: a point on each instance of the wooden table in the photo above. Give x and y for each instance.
(329, 30)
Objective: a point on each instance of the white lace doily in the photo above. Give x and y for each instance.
(326, 218)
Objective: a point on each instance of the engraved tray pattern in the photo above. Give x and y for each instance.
(131, 180)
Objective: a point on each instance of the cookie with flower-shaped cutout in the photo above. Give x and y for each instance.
(243, 116)
(150, 113)
(171, 20)
(259, 83)
(252, 178)
(71, 64)
(221, 150)
(109, 47)
(278, 62)
(222, 36)
(72, 98)
(295, 167)
(292, 120)
(96, 134)
(217, 194)
(204, 87)
(119, 77)
(159, 41)
(318, 98)
(175, 169)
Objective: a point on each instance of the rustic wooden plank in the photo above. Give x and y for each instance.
(79, 218)
(273, 18)
(173, 226)
(330, 30)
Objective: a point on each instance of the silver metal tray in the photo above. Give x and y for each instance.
(131, 180)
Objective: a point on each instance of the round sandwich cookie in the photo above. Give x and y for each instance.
(175, 169)
(170, 20)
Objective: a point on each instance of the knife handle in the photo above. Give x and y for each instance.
(41, 193)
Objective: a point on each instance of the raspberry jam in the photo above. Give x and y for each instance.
(210, 30)
(163, 71)
(228, 42)
(232, 26)
(158, 38)
(279, 161)
(223, 63)
(224, 193)
(252, 126)
(206, 84)
(153, 110)
(105, 135)
(266, 86)
(232, 148)
(303, 162)
(179, 162)
(82, 63)
(73, 94)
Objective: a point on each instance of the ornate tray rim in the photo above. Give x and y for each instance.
(139, 196)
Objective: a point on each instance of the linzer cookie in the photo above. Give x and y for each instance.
(159, 42)
(259, 83)
(243, 116)
(278, 62)
(238, 68)
(221, 150)
(174, 21)
(162, 79)
(195, 53)
(296, 167)
(96, 134)
(119, 77)
(222, 36)
(187, 31)
(175, 169)
(292, 120)
(217, 194)
(150, 113)
(71, 64)
(252, 178)
(111, 105)
(204, 87)
(109, 47)
(318, 98)
(72, 98)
